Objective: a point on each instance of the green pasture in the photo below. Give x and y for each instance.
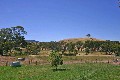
(83, 71)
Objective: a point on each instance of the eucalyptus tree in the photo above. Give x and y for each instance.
(89, 44)
(88, 35)
(53, 45)
(71, 48)
(78, 45)
(11, 38)
(117, 53)
(63, 49)
(119, 3)
(33, 48)
(110, 47)
(87, 51)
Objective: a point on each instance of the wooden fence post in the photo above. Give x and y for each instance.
(81, 60)
(108, 61)
(96, 60)
(7, 63)
(36, 62)
(29, 61)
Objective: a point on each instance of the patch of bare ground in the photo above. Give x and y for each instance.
(6, 59)
(42, 60)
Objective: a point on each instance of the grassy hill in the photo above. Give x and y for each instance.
(80, 39)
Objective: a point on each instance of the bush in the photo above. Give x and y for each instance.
(56, 59)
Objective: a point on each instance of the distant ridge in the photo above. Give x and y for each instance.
(80, 39)
(31, 41)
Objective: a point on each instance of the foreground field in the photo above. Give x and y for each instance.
(84, 71)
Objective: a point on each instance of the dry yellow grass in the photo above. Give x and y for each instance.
(80, 39)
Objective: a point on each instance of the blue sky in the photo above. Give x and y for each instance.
(54, 20)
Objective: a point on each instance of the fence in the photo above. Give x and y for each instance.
(42, 62)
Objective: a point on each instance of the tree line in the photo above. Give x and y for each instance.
(109, 47)
(12, 41)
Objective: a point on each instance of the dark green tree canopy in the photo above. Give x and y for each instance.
(11, 38)
(88, 35)
(56, 59)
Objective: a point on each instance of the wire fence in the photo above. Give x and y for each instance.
(5, 61)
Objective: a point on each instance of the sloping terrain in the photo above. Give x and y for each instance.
(80, 39)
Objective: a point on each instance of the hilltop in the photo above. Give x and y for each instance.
(80, 39)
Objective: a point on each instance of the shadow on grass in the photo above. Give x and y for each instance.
(60, 70)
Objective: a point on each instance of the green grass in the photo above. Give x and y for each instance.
(85, 71)
(88, 58)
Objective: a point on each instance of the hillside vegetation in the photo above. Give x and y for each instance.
(12, 43)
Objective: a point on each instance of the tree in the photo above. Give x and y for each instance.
(56, 59)
(119, 3)
(117, 50)
(87, 51)
(78, 45)
(53, 45)
(88, 35)
(33, 48)
(10, 38)
(70, 47)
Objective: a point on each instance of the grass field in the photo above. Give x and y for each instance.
(84, 71)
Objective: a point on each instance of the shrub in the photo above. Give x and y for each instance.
(56, 59)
